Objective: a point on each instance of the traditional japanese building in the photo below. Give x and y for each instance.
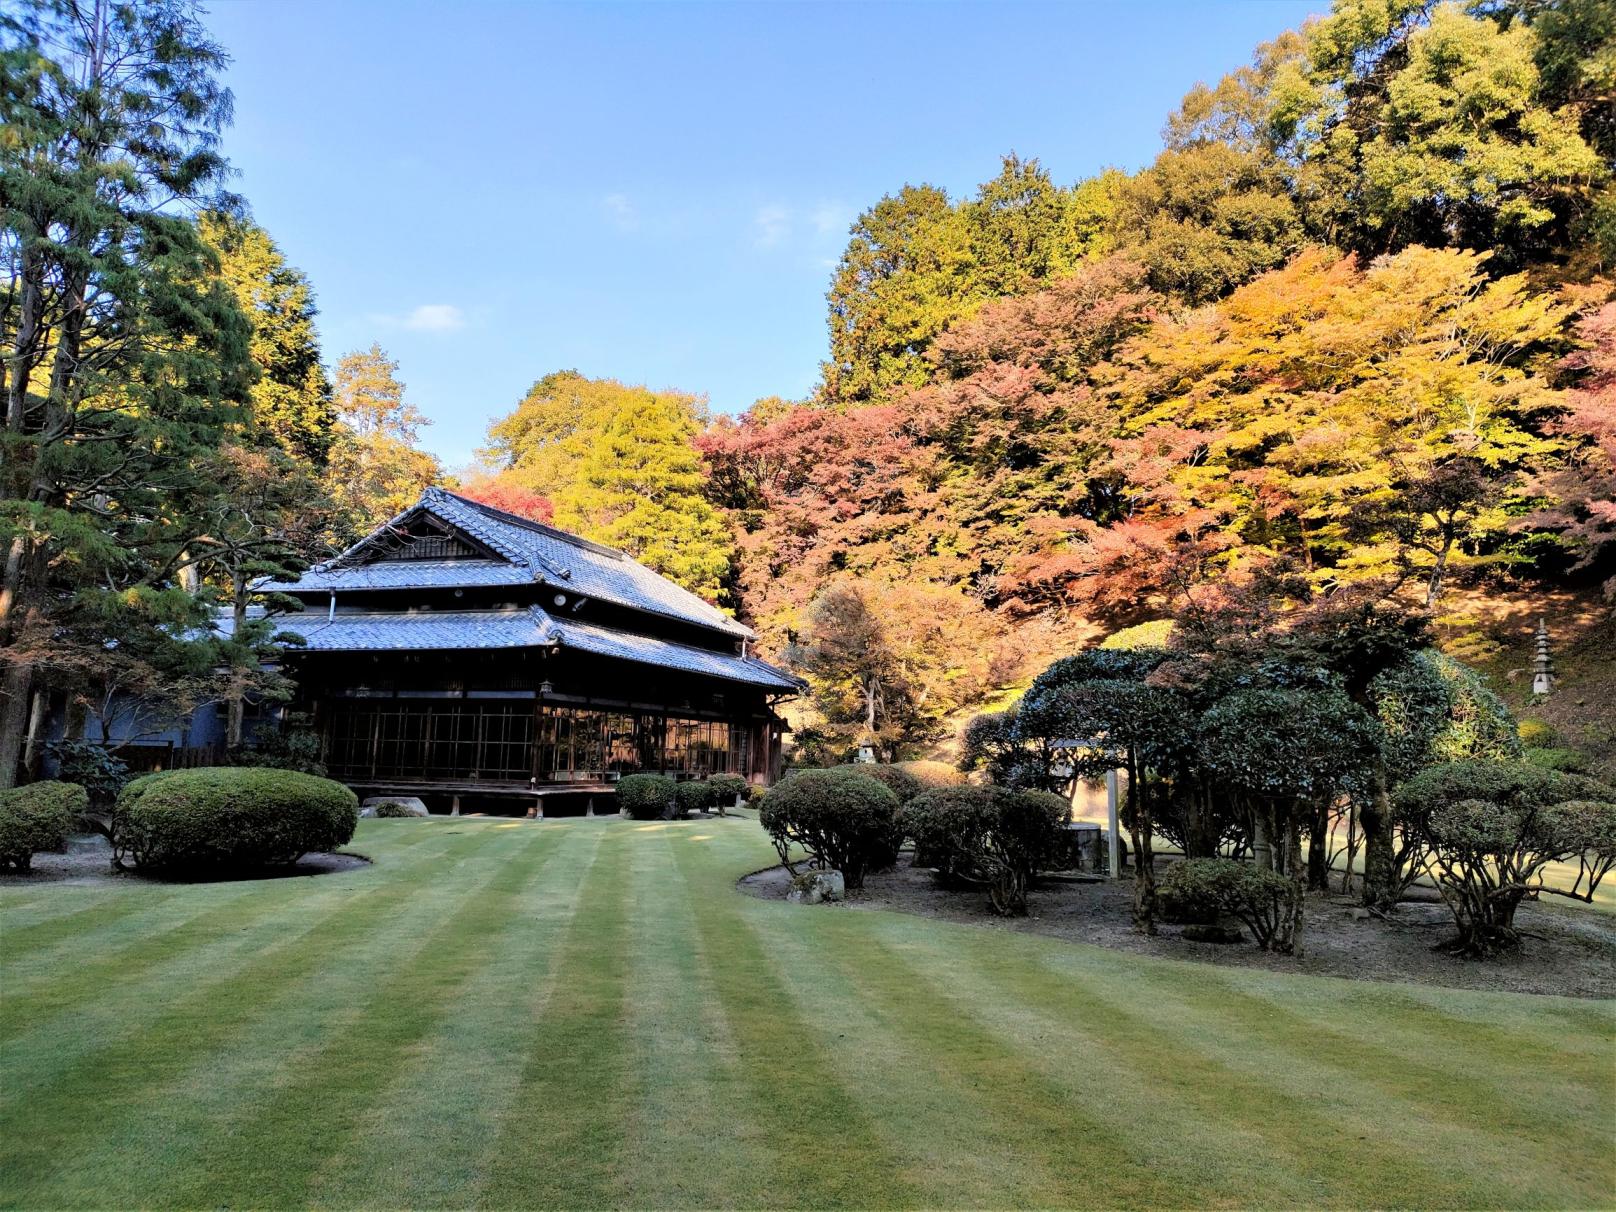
(459, 652)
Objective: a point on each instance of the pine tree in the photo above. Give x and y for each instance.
(291, 401)
(125, 357)
(376, 469)
(640, 489)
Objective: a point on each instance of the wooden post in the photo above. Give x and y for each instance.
(1112, 822)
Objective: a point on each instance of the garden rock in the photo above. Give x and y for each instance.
(368, 807)
(812, 887)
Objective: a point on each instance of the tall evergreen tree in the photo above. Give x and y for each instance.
(125, 357)
(907, 272)
(376, 469)
(618, 464)
(291, 401)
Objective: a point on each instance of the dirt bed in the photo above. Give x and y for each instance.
(88, 860)
(1572, 952)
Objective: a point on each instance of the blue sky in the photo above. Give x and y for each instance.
(657, 192)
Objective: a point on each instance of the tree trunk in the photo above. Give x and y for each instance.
(1380, 860)
(1144, 863)
(15, 689)
(1298, 886)
(1352, 846)
(237, 701)
(1262, 846)
(1318, 850)
(32, 750)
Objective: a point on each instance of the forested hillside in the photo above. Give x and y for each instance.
(1355, 321)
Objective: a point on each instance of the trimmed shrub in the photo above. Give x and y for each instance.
(1024, 837)
(727, 789)
(230, 818)
(900, 782)
(35, 819)
(1259, 898)
(288, 748)
(391, 808)
(931, 775)
(1493, 827)
(696, 795)
(991, 835)
(94, 767)
(645, 797)
(944, 824)
(843, 818)
(1556, 758)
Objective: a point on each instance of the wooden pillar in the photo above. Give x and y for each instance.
(1115, 864)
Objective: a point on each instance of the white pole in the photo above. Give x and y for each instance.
(1111, 821)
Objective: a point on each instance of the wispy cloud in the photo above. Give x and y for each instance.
(771, 226)
(428, 317)
(435, 317)
(620, 210)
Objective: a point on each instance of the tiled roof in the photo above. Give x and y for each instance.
(411, 574)
(444, 630)
(603, 641)
(536, 553)
(427, 629)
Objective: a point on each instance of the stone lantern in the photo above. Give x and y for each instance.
(1542, 663)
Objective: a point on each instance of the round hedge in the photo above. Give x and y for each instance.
(230, 818)
(896, 780)
(727, 789)
(645, 797)
(696, 795)
(37, 818)
(843, 818)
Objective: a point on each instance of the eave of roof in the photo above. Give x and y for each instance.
(459, 630)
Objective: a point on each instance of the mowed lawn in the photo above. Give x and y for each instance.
(583, 1013)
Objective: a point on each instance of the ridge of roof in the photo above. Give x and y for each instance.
(516, 519)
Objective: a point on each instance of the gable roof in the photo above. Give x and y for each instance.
(520, 551)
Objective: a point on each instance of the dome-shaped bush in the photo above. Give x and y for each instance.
(35, 819)
(227, 818)
(645, 797)
(896, 779)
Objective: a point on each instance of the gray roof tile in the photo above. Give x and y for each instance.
(535, 553)
(444, 630)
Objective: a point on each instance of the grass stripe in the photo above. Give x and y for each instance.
(791, 1093)
(1271, 1092)
(686, 1064)
(313, 1115)
(17, 941)
(429, 1141)
(560, 1139)
(51, 1043)
(142, 1153)
(40, 1125)
(1499, 1074)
